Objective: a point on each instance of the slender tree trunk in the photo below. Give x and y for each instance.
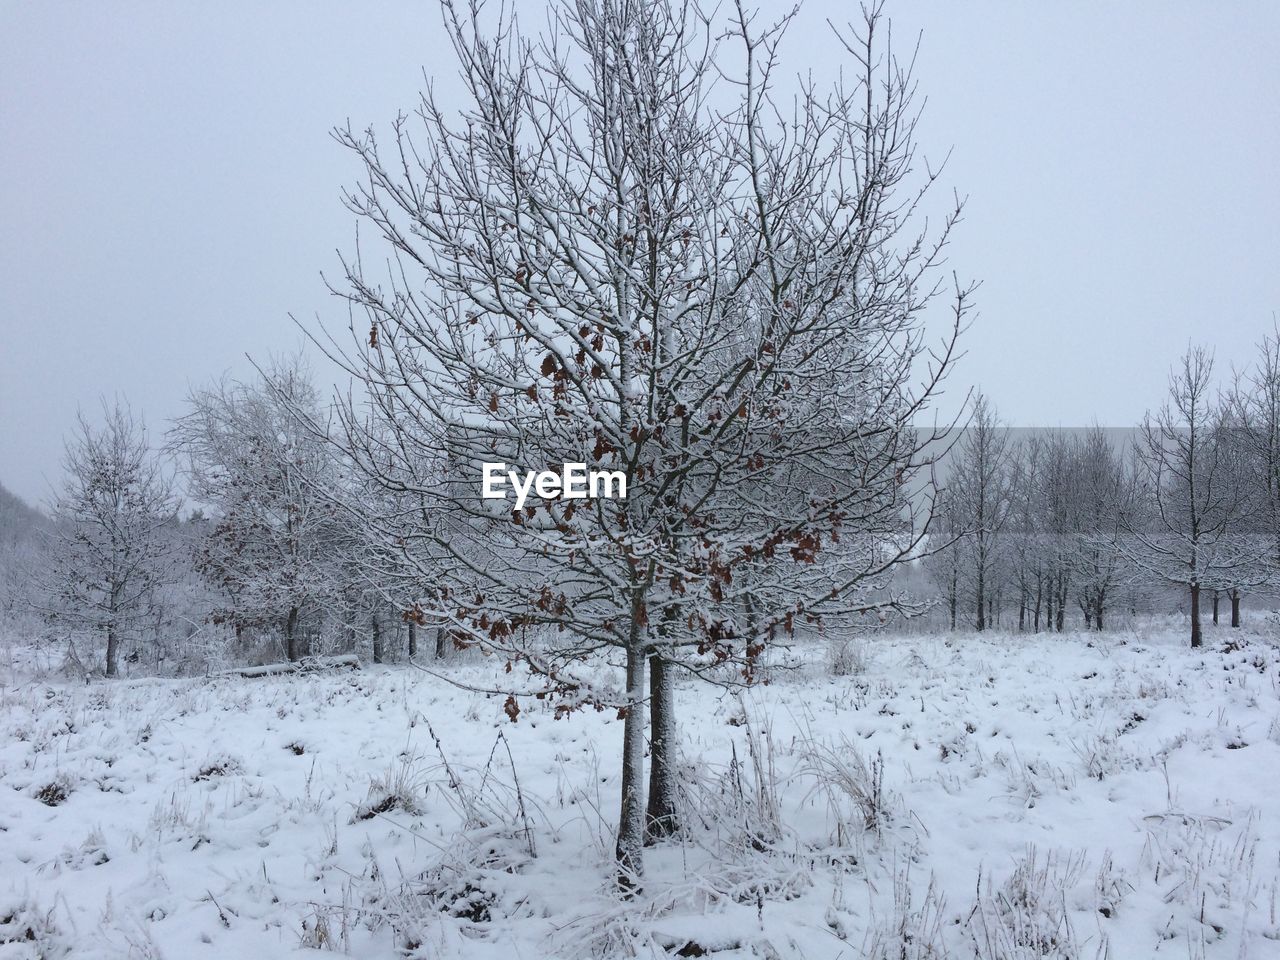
(377, 638)
(413, 639)
(630, 847)
(1099, 605)
(113, 650)
(662, 818)
(442, 638)
(1215, 608)
(979, 590)
(291, 635)
(1235, 606)
(1196, 637)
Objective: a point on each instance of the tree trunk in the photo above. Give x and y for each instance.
(413, 639)
(291, 635)
(1215, 608)
(442, 637)
(1099, 605)
(1196, 638)
(982, 607)
(113, 650)
(377, 638)
(630, 847)
(662, 819)
(1235, 606)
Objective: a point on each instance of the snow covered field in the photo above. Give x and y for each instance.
(996, 797)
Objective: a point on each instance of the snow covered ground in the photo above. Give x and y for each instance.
(995, 797)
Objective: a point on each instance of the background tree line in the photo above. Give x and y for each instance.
(1046, 529)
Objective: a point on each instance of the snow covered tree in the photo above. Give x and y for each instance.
(1194, 494)
(599, 263)
(946, 555)
(264, 476)
(979, 488)
(22, 553)
(112, 541)
(1254, 414)
(1102, 492)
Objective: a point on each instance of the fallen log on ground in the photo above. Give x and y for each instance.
(346, 661)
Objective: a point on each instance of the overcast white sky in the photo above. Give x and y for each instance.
(169, 191)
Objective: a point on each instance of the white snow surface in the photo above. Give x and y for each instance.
(1049, 796)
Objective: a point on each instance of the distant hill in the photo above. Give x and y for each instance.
(18, 520)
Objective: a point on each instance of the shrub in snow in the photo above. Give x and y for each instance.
(400, 788)
(852, 787)
(23, 926)
(1026, 918)
(56, 791)
(912, 932)
(846, 659)
(218, 765)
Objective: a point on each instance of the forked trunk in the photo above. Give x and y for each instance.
(413, 639)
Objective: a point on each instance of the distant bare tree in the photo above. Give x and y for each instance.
(1254, 411)
(264, 475)
(111, 543)
(23, 539)
(1194, 493)
(1103, 493)
(980, 491)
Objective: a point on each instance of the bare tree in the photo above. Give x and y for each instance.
(23, 537)
(980, 487)
(1254, 413)
(1102, 495)
(1193, 491)
(945, 557)
(264, 475)
(596, 264)
(109, 546)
